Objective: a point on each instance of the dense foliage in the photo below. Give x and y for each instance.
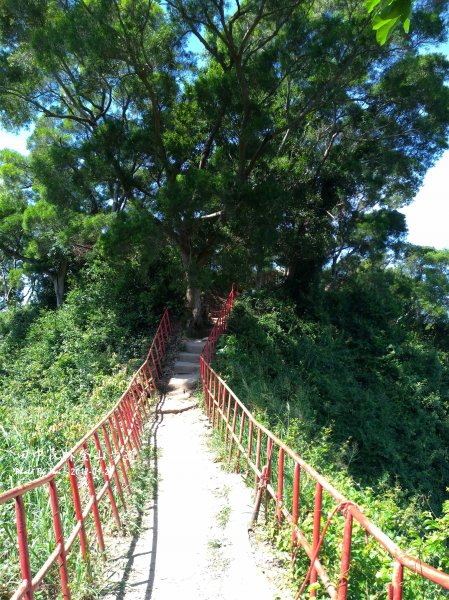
(359, 371)
(280, 126)
(62, 369)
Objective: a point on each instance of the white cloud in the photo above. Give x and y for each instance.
(14, 141)
(428, 215)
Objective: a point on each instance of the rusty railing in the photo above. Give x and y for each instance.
(279, 473)
(113, 442)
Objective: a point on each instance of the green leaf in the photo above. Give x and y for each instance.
(391, 12)
(398, 8)
(379, 22)
(371, 5)
(382, 34)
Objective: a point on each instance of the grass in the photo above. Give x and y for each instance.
(36, 431)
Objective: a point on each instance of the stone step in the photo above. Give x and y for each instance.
(176, 395)
(182, 383)
(172, 405)
(194, 346)
(191, 357)
(185, 367)
(167, 409)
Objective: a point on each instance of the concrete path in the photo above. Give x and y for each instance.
(193, 543)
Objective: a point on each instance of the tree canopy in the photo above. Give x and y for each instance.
(274, 125)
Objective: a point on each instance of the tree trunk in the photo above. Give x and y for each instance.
(194, 300)
(302, 280)
(195, 304)
(58, 278)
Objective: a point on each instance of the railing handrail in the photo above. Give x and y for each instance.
(123, 424)
(214, 403)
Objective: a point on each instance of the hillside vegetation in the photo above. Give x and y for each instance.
(363, 398)
(376, 385)
(177, 146)
(61, 370)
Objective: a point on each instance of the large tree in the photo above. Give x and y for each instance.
(40, 236)
(224, 120)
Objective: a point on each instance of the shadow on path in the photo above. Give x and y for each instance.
(119, 590)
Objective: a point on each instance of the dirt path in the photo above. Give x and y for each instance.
(193, 541)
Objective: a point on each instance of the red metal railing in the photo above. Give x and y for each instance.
(267, 457)
(112, 442)
(219, 327)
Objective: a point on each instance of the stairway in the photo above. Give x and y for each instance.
(186, 373)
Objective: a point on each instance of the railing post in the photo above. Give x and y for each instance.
(234, 422)
(212, 407)
(345, 557)
(258, 451)
(242, 427)
(221, 414)
(395, 588)
(316, 531)
(118, 450)
(280, 490)
(228, 416)
(250, 439)
(268, 474)
(93, 495)
(216, 419)
(156, 370)
(22, 539)
(59, 538)
(295, 502)
(152, 377)
(147, 384)
(158, 358)
(135, 417)
(131, 430)
(107, 442)
(122, 436)
(141, 391)
(138, 411)
(107, 481)
(78, 507)
(203, 375)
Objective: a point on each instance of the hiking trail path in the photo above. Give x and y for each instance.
(193, 540)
